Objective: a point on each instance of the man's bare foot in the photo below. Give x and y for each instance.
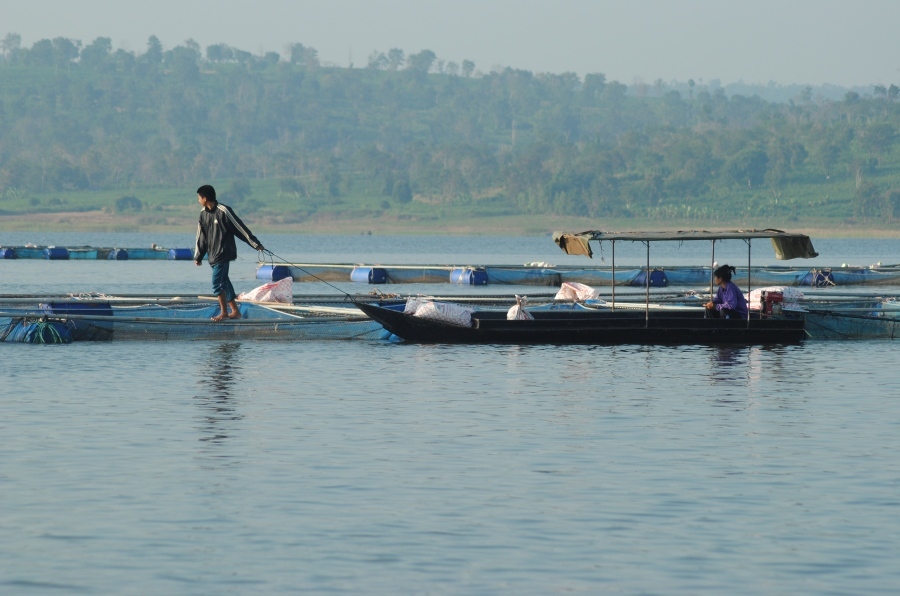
(235, 314)
(218, 318)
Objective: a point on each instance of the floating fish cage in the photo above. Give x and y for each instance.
(94, 252)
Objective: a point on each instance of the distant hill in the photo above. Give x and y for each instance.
(771, 92)
(412, 135)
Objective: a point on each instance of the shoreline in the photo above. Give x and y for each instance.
(98, 222)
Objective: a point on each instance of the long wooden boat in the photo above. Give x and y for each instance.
(591, 326)
(844, 325)
(68, 321)
(611, 325)
(68, 328)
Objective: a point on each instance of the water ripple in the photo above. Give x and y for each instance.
(377, 467)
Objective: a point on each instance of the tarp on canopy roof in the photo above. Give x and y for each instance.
(574, 244)
(787, 245)
(793, 247)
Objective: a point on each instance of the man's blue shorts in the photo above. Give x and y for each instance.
(220, 281)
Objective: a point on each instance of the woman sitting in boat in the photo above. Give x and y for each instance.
(729, 301)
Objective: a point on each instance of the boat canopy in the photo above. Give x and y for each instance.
(787, 245)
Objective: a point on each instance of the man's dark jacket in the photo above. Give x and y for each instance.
(215, 235)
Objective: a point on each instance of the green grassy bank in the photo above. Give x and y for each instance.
(270, 210)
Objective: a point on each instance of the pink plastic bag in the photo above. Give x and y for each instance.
(276, 291)
(575, 291)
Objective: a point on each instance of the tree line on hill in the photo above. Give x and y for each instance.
(414, 127)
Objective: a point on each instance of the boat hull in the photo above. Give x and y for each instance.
(596, 327)
(831, 325)
(102, 321)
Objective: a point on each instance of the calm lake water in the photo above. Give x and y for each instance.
(378, 468)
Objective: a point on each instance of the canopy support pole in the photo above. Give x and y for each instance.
(613, 242)
(712, 273)
(748, 282)
(647, 300)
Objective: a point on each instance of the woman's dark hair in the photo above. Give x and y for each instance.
(207, 192)
(724, 272)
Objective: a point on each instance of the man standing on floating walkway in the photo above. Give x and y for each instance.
(216, 230)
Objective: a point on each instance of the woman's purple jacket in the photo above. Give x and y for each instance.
(731, 297)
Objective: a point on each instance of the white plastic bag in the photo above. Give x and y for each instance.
(445, 312)
(413, 303)
(276, 291)
(518, 312)
(571, 290)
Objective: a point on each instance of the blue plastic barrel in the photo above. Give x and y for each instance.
(118, 254)
(824, 278)
(273, 272)
(469, 276)
(369, 275)
(658, 279)
(8, 253)
(54, 253)
(180, 254)
(818, 279)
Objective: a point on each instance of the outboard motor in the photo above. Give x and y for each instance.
(771, 303)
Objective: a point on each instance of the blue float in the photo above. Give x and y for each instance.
(180, 254)
(370, 275)
(658, 279)
(8, 253)
(118, 254)
(273, 272)
(56, 253)
(818, 278)
(469, 276)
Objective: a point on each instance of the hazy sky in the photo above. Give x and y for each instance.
(813, 42)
